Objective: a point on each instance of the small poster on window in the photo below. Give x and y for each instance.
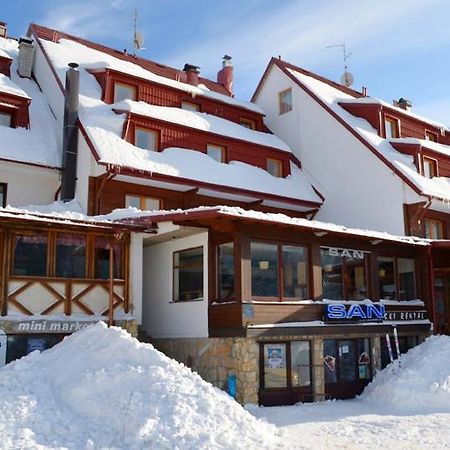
(275, 357)
(330, 362)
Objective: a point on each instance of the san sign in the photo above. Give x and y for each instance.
(337, 312)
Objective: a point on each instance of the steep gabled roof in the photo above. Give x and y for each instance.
(329, 95)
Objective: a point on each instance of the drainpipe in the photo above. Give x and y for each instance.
(431, 285)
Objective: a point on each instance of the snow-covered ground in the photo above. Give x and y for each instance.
(405, 407)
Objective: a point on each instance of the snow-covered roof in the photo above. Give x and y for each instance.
(37, 145)
(3, 54)
(436, 187)
(440, 148)
(202, 121)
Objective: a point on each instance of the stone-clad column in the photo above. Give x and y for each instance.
(246, 354)
(318, 373)
(376, 354)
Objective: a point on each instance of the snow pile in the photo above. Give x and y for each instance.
(101, 388)
(421, 383)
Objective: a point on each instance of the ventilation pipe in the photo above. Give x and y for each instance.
(26, 52)
(191, 74)
(403, 103)
(70, 134)
(225, 75)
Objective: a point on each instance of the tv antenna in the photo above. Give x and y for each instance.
(138, 38)
(347, 77)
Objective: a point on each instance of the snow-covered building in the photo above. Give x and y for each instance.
(253, 289)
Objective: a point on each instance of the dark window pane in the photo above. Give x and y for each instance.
(347, 360)
(70, 255)
(355, 277)
(332, 282)
(295, 260)
(188, 274)
(300, 363)
(386, 273)
(30, 255)
(264, 269)
(102, 258)
(406, 278)
(225, 256)
(364, 359)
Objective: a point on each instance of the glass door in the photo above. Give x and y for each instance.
(275, 373)
(442, 301)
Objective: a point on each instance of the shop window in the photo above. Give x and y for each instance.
(146, 139)
(343, 277)
(225, 271)
(430, 167)
(431, 136)
(279, 271)
(143, 203)
(391, 127)
(30, 254)
(3, 189)
(396, 278)
(434, 229)
(189, 106)
(101, 251)
(188, 274)
(5, 119)
(285, 101)
(20, 345)
(247, 123)
(216, 152)
(124, 91)
(70, 255)
(275, 167)
(405, 343)
(300, 363)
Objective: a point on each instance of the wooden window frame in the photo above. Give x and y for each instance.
(4, 187)
(397, 275)
(12, 112)
(434, 165)
(174, 300)
(217, 244)
(280, 165)
(432, 133)
(126, 85)
(440, 226)
(223, 149)
(142, 200)
(396, 122)
(187, 102)
(280, 273)
(282, 109)
(156, 133)
(247, 123)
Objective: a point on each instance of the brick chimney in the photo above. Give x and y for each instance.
(225, 75)
(26, 53)
(3, 29)
(191, 74)
(403, 103)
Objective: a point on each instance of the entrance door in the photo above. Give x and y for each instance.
(285, 373)
(442, 299)
(347, 365)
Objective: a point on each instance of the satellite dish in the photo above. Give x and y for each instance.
(138, 41)
(347, 79)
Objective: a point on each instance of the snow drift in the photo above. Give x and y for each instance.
(422, 382)
(102, 388)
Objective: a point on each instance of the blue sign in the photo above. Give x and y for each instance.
(335, 312)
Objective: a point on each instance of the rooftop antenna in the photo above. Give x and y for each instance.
(347, 77)
(138, 38)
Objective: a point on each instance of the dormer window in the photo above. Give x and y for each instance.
(143, 203)
(5, 119)
(285, 100)
(146, 139)
(430, 168)
(189, 106)
(124, 92)
(434, 229)
(216, 152)
(247, 123)
(391, 127)
(431, 136)
(275, 167)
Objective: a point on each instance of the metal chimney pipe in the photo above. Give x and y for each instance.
(70, 134)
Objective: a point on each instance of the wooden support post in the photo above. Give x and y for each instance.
(111, 282)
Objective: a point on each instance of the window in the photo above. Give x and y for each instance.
(279, 271)
(391, 127)
(146, 139)
(188, 106)
(247, 123)
(431, 136)
(225, 271)
(70, 255)
(396, 278)
(101, 249)
(275, 167)
(429, 167)
(30, 254)
(343, 277)
(285, 101)
(434, 229)
(216, 152)
(3, 188)
(188, 274)
(5, 119)
(124, 92)
(143, 203)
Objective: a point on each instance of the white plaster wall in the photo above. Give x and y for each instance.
(136, 262)
(359, 189)
(28, 185)
(161, 316)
